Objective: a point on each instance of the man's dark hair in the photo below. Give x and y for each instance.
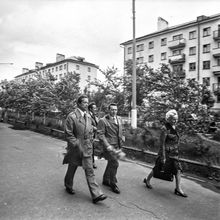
(91, 105)
(79, 100)
(112, 104)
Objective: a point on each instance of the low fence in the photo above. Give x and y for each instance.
(190, 166)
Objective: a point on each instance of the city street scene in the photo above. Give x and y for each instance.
(109, 109)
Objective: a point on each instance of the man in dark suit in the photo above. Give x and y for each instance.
(93, 113)
(109, 132)
(79, 135)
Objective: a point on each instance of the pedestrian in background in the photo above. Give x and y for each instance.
(93, 113)
(169, 152)
(79, 136)
(109, 132)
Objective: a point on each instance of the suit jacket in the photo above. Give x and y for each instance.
(94, 123)
(79, 136)
(110, 133)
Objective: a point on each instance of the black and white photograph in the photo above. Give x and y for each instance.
(109, 110)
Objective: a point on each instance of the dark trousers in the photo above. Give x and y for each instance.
(111, 171)
(94, 188)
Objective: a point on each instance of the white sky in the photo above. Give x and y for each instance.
(35, 30)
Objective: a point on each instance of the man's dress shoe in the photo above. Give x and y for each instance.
(115, 188)
(70, 190)
(99, 198)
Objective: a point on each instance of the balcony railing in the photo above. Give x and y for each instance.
(180, 74)
(216, 70)
(216, 88)
(177, 43)
(177, 59)
(216, 52)
(216, 35)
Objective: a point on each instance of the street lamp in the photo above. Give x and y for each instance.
(134, 110)
(6, 63)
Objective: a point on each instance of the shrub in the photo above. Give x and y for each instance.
(216, 136)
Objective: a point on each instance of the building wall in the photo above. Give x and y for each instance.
(199, 57)
(59, 70)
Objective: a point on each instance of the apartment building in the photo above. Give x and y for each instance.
(192, 50)
(62, 66)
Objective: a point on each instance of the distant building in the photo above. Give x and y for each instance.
(60, 68)
(192, 50)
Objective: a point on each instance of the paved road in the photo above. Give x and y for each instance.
(31, 187)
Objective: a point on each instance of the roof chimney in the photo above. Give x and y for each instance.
(161, 24)
(38, 65)
(60, 57)
(25, 70)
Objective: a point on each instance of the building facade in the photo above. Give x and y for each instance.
(60, 68)
(192, 50)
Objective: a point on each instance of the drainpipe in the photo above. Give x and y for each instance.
(198, 61)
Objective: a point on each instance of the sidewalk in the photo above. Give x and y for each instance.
(31, 187)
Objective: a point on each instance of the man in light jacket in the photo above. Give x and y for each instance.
(109, 132)
(79, 136)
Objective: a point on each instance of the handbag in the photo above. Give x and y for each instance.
(162, 171)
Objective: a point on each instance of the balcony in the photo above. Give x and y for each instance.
(216, 70)
(177, 43)
(216, 35)
(216, 88)
(180, 74)
(216, 52)
(177, 59)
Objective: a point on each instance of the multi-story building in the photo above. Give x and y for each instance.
(88, 71)
(192, 50)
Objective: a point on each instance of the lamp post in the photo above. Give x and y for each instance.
(134, 110)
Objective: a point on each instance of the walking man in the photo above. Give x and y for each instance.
(93, 113)
(79, 135)
(109, 132)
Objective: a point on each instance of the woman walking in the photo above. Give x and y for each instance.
(168, 154)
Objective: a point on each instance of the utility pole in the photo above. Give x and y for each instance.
(134, 109)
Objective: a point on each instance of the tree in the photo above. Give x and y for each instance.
(109, 90)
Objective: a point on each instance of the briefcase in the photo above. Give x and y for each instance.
(98, 148)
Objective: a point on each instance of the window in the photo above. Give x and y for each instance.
(163, 42)
(89, 77)
(206, 32)
(163, 56)
(206, 48)
(192, 51)
(206, 65)
(64, 66)
(178, 37)
(140, 47)
(151, 58)
(57, 68)
(177, 52)
(218, 61)
(77, 67)
(89, 69)
(192, 66)
(60, 67)
(60, 75)
(206, 81)
(129, 50)
(151, 45)
(52, 69)
(218, 44)
(140, 60)
(192, 35)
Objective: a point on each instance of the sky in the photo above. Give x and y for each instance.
(36, 30)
